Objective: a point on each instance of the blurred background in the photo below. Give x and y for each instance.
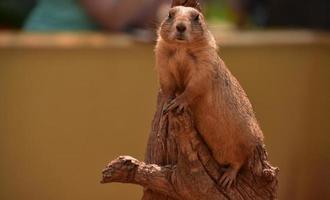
(78, 88)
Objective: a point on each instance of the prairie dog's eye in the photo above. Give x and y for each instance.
(196, 18)
(170, 15)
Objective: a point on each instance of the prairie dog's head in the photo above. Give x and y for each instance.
(183, 25)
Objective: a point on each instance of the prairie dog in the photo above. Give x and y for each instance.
(191, 74)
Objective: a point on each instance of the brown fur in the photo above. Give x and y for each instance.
(192, 73)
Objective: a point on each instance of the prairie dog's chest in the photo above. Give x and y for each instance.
(180, 65)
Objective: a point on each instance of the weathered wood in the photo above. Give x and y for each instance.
(181, 166)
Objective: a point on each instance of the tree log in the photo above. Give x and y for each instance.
(181, 167)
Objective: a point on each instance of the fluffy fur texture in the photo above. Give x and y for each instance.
(193, 76)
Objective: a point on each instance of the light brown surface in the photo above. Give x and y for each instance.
(68, 109)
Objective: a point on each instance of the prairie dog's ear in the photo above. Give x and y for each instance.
(187, 3)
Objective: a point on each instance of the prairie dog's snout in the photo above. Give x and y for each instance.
(181, 27)
(183, 24)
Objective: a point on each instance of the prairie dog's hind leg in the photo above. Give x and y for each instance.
(228, 178)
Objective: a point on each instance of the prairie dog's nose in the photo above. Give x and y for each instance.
(181, 28)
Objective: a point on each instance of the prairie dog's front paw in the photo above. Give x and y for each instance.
(179, 104)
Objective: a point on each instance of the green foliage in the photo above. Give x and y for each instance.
(217, 10)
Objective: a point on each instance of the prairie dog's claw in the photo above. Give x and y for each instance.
(177, 104)
(228, 179)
